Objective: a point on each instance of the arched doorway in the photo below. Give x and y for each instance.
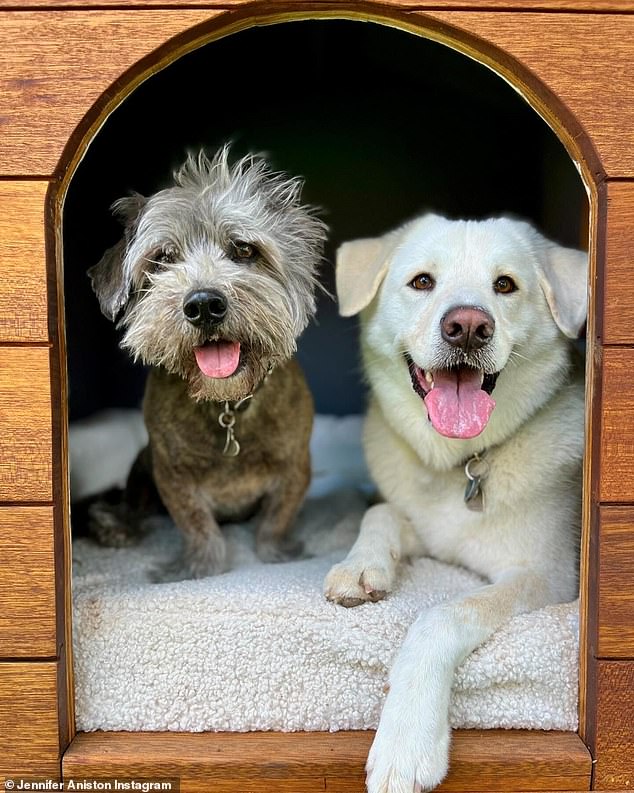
(440, 154)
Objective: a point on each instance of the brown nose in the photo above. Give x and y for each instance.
(468, 327)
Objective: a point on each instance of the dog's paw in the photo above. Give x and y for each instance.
(108, 527)
(207, 558)
(169, 572)
(198, 560)
(351, 583)
(405, 758)
(283, 549)
(184, 568)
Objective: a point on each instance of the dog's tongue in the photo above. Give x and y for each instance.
(218, 358)
(457, 406)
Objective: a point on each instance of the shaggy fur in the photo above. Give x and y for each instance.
(429, 414)
(240, 231)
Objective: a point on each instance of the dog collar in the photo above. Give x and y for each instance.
(476, 469)
(227, 418)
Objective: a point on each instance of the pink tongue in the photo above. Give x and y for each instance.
(457, 406)
(218, 358)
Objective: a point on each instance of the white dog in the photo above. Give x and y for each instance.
(475, 438)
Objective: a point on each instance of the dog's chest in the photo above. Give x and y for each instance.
(229, 479)
(192, 451)
(449, 529)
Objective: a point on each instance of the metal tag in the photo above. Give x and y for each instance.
(473, 497)
(476, 470)
(232, 447)
(227, 420)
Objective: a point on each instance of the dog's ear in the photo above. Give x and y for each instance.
(109, 278)
(361, 266)
(564, 281)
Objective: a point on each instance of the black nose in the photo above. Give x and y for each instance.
(205, 307)
(468, 327)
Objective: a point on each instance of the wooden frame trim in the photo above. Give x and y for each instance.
(552, 6)
(500, 760)
(427, 23)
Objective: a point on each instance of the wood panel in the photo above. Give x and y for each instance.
(60, 64)
(23, 311)
(617, 426)
(45, 88)
(616, 593)
(28, 715)
(567, 52)
(614, 767)
(526, 5)
(36, 771)
(27, 584)
(482, 760)
(618, 307)
(25, 418)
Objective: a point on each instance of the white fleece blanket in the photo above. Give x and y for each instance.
(259, 648)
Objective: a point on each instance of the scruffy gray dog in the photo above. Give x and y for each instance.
(215, 279)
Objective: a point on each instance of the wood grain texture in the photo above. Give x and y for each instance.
(617, 426)
(525, 5)
(481, 760)
(30, 770)
(46, 89)
(614, 767)
(25, 418)
(23, 299)
(618, 285)
(60, 64)
(28, 714)
(27, 585)
(616, 593)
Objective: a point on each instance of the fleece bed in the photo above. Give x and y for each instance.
(259, 648)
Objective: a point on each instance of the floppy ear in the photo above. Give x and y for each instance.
(564, 281)
(361, 266)
(109, 280)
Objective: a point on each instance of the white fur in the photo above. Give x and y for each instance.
(525, 541)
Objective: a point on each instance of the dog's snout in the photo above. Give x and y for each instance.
(467, 327)
(205, 307)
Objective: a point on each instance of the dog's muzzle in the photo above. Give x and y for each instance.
(457, 393)
(205, 308)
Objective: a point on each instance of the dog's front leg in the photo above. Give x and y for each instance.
(204, 550)
(279, 508)
(411, 747)
(368, 571)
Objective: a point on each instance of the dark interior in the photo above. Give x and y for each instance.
(381, 123)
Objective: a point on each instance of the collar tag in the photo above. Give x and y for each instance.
(476, 470)
(227, 418)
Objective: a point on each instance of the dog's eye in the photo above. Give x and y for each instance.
(161, 257)
(422, 281)
(242, 251)
(504, 285)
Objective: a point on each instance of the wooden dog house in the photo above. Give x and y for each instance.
(66, 67)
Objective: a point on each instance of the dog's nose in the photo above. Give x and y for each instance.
(205, 307)
(468, 327)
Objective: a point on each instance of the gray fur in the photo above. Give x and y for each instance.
(181, 239)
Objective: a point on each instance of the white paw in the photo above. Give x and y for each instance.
(410, 753)
(353, 582)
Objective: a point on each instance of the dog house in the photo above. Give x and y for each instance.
(66, 70)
